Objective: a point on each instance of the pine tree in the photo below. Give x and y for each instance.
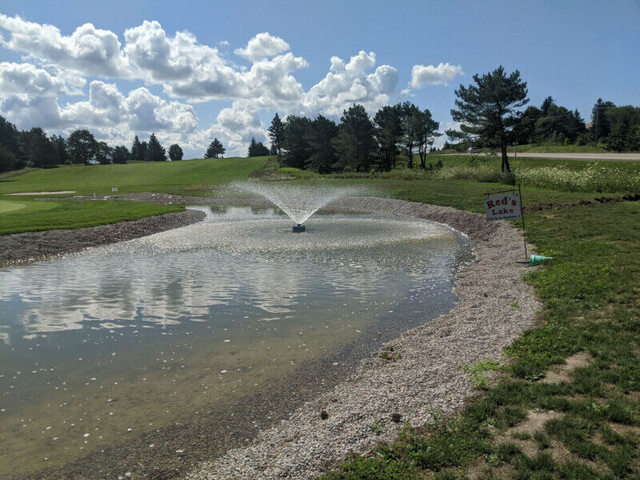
(276, 134)
(136, 150)
(156, 152)
(215, 148)
(488, 109)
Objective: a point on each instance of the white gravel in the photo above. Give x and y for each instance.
(495, 307)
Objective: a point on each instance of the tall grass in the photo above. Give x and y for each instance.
(594, 178)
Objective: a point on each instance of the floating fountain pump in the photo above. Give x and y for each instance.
(299, 228)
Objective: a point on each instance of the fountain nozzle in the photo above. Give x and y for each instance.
(299, 228)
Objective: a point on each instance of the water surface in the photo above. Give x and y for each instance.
(104, 352)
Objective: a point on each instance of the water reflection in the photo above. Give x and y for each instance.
(136, 334)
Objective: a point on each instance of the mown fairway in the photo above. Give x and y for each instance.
(170, 177)
(195, 177)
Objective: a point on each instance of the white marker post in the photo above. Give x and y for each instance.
(506, 205)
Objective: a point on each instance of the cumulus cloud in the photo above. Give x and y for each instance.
(428, 74)
(89, 50)
(348, 83)
(25, 78)
(234, 127)
(262, 46)
(27, 111)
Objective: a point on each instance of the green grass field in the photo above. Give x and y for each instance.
(590, 292)
(186, 177)
(194, 177)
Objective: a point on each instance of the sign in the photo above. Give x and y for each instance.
(502, 206)
(114, 189)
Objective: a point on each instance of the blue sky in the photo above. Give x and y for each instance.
(193, 70)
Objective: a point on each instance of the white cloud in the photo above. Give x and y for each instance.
(350, 83)
(262, 46)
(234, 127)
(89, 50)
(27, 111)
(440, 75)
(25, 78)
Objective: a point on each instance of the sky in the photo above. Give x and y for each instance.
(191, 71)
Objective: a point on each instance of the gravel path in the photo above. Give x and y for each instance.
(495, 307)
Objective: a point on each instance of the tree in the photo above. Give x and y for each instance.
(276, 134)
(296, 144)
(136, 150)
(155, 151)
(410, 115)
(144, 151)
(81, 146)
(60, 146)
(257, 149)
(601, 126)
(175, 153)
(215, 149)
(425, 130)
(388, 133)
(355, 143)
(37, 150)
(120, 154)
(104, 154)
(488, 109)
(625, 128)
(320, 136)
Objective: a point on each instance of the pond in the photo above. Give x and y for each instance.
(192, 339)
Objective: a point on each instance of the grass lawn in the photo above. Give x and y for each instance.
(185, 177)
(193, 177)
(591, 293)
(36, 215)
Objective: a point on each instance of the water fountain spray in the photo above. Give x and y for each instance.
(298, 202)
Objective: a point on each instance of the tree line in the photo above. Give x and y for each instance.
(489, 112)
(34, 148)
(358, 143)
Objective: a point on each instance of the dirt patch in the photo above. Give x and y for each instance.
(563, 373)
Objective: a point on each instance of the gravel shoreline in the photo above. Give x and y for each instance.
(23, 248)
(495, 307)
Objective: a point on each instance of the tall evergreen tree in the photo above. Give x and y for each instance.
(410, 115)
(143, 151)
(276, 134)
(295, 141)
(104, 154)
(175, 153)
(37, 149)
(136, 150)
(355, 143)
(601, 126)
(155, 151)
(489, 109)
(425, 130)
(388, 133)
(320, 136)
(257, 149)
(215, 148)
(60, 146)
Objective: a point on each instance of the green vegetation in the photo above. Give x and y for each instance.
(37, 216)
(592, 304)
(196, 177)
(186, 177)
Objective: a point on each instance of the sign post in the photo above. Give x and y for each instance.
(506, 205)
